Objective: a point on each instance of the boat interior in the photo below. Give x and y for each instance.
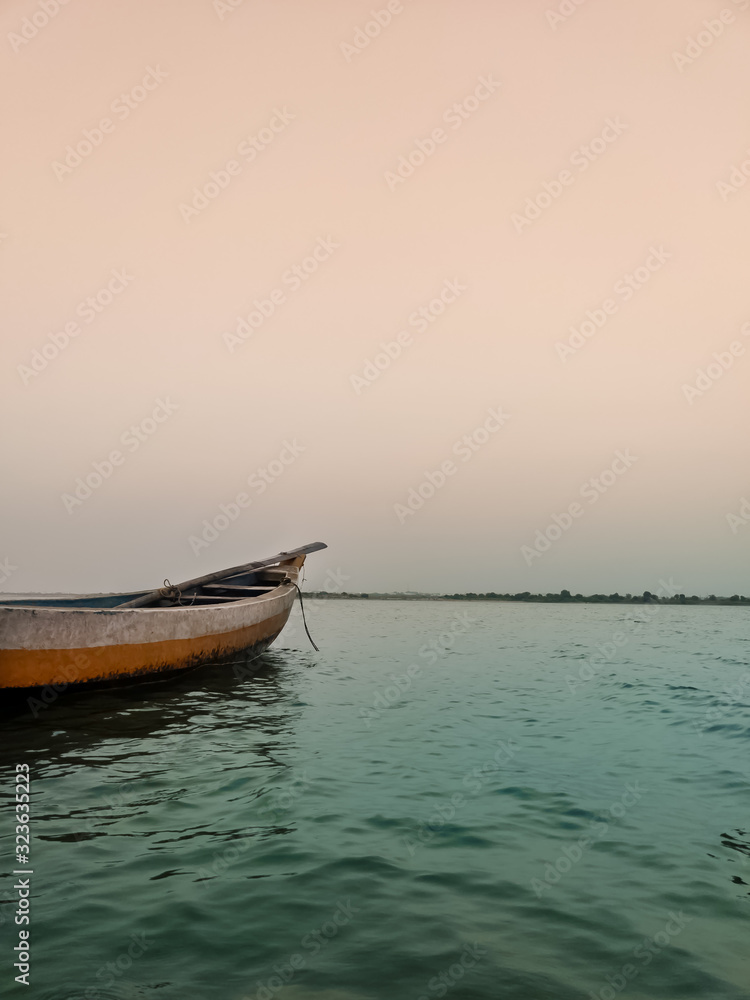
(223, 591)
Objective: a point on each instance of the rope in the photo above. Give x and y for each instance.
(169, 592)
(304, 620)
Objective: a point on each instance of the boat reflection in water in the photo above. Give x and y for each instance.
(137, 744)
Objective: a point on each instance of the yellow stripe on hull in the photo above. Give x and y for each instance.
(23, 668)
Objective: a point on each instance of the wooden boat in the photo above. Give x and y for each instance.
(54, 640)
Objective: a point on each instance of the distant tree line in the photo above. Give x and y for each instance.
(564, 597)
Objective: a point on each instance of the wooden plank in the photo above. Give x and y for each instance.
(200, 581)
(236, 586)
(188, 601)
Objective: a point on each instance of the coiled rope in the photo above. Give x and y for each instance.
(169, 592)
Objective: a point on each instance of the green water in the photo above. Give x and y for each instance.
(432, 806)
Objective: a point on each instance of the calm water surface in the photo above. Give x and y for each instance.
(431, 806)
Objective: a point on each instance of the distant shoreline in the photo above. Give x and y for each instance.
(737, 600)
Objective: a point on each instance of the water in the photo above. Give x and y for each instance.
(341, 827)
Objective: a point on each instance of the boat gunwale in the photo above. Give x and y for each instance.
(232, 602)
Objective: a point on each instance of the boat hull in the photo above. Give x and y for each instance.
(44, 646)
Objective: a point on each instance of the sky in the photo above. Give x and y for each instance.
(458, 288)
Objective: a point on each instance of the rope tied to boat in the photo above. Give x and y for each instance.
(304, 620)
(169, 592)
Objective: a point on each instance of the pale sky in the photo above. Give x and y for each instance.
(567, 169)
